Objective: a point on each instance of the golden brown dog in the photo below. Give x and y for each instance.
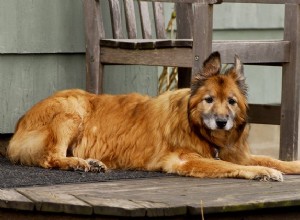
(200, 132)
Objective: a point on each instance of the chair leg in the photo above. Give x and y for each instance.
(94, 74)
(289, 127)
(93, 32)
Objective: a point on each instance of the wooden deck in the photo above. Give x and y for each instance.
(166, 197)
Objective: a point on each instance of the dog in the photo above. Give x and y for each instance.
(201, 131)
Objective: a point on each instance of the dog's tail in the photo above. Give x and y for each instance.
(26, 147)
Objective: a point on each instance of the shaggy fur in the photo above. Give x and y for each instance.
(178, 132)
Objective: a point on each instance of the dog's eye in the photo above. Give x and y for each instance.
(209, 99)
(231, 101)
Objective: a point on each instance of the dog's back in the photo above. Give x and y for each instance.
(122, 130)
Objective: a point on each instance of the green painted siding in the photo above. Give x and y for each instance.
(26, 79)
(248, 16)
(42, 51)
(41, 26)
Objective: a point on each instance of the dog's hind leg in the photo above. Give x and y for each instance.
(47, 146)
(62, 135)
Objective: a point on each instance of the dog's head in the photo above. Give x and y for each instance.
(218, 101)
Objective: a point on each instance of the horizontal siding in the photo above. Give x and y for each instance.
(141, 79)
(41, 26)
(26, 79)
(248, 16)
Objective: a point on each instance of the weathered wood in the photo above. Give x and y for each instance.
(264, 114)
(130, 19)
(11, 199)
(172, 57)
(168, 196)
(159, 18)
(116, 23)
(289, 136)
(254, 52)
(184, 21)
(57, 202)
(202, 35)
(94, 31)
(250, 52)
(145, 20)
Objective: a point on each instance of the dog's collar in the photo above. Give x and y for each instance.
(196, 131)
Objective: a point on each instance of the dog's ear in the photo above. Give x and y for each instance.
(211, 66)
(238, 74)
(239, 68)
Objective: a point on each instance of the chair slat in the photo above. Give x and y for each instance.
(184, 20)
(115, 13)
(130, 19)
(264, 114)
(145, 20)
(159, 18)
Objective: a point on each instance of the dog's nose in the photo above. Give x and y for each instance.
(221, 122)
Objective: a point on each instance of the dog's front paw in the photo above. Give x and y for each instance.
(264, 174)
(96, 166)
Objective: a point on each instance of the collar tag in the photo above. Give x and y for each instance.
(216, 156)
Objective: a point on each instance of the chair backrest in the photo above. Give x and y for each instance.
(147, 11)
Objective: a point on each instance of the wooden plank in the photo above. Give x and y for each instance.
(171, 56)
(115, 14)
(174, 196)
(132, 207)
(11, 199)
(57, 202)
(94, 31)
(253, 52)
(159, 18)
(289, 129)
(130, 19)
(264, 114)
(145, 20)
(139, 43)
(202, 35)
(184, 22)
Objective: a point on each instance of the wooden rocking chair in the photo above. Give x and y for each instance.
(193, 44)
